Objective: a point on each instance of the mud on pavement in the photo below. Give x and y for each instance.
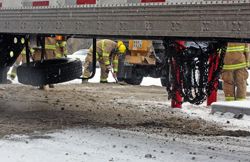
(25, 109)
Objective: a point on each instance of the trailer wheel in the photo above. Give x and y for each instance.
(49, 71)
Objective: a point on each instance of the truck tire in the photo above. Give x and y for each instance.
(163, 82)
(134, 80)
(49, 71)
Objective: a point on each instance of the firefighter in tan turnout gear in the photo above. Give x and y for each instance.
(107, 54)
(61, 47)
(235, 72)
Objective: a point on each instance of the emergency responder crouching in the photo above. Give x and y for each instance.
(107, 54)
(235, 72)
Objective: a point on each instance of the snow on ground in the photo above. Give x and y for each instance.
(109, 145)
(147, 81)
(225, 119)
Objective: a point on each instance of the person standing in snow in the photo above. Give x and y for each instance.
(235, 72)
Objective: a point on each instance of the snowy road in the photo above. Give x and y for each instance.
(44, 134)
(112, 145)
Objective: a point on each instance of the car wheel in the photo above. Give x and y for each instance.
(49, 71)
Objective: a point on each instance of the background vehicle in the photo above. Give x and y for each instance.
(145, 58)
(81, 55)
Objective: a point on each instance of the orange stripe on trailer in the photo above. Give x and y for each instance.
(79, 2)
(149, 1)
(40, 3)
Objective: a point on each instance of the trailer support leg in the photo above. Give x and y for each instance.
(213, 61)
(176, 102)
(27, 50)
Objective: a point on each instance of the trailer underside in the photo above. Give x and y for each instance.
(211, 20)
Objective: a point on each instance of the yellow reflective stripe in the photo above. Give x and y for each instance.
(63, 44)
(104, 79)
(107, 62)
(240, 99)
(248, 64)
(235, 66)
(229, 98)
(23, 52)
(58, 55)
(246, 49)
(236, 49)
(115, 70)
(97, 55)
(115, 64)
(51, 47)
(115, 61)
(32, 50)
(103, 45)
(105, 54)
(65, 52)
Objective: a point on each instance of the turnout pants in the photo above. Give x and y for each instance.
(88, 67)
(235, 84)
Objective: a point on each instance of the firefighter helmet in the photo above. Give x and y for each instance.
(121, 47)
(119, 42)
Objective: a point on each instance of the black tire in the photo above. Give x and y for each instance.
(135, 79)
(49, 71)
(163, 82)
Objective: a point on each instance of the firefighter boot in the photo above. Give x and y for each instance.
(84, 81)
(42, 87)
(103, 81)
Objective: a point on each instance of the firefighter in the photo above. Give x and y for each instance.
(235, 72)
(107, 54)
(61, 49)
(50, 53)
